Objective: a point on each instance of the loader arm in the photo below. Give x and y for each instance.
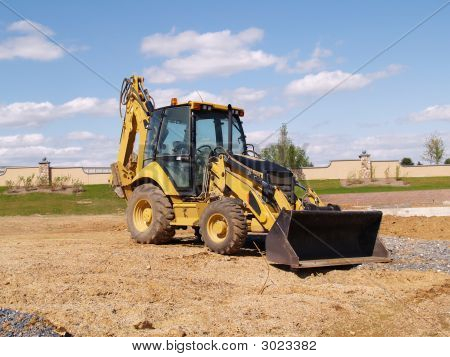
(264, 201)
(298, 234)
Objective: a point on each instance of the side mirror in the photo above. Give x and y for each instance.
(247, 146)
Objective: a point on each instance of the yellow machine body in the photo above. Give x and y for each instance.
(185, 183)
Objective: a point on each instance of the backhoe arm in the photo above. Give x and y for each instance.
(138, 108)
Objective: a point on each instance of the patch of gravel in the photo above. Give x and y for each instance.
(21, 324)
(415, 254)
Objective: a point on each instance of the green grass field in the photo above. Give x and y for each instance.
(97, 199)
(412, 184)
(100, 199)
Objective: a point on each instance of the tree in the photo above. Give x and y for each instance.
(447, 161)
(434, 149)
(406, 161)
(285, 152)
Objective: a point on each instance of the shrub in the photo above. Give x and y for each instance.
(447, 161)
(64, 182)
(28, 183)
(352, 179)
(397, 173)
(19, 182)
(41, 181)
(372, 173)
(406, 161)
(77, 186)
(57, 183)
(10, 186)
(434, 149)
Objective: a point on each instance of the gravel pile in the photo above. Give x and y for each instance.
(21, 324)
(415, 254)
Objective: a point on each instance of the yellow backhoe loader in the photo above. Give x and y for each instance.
(189, 165)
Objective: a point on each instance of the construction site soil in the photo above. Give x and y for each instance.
(86, 277)
(391, 199)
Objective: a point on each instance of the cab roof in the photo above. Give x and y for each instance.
(199, 105)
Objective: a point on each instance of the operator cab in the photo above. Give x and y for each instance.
(181, 139)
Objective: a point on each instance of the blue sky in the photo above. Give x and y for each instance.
(273, 59)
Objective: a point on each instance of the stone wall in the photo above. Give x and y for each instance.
(343, 169)
(336, 169)
(86, 175)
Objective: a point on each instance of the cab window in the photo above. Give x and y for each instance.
(174, 146)
(174, 134)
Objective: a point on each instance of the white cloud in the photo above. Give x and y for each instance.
(194, 55)
(162, 97)
(27, 155)
(200, 95)
(260, 113)
(261, 138)
(15, 152)
(32, 113)
(247, 95)
(323, 81)
(433, 113)
(323, 148)
(89, 105)
(171, 44)
(84, 163)
(320, 52)
(23, 26)
(99, 152)
(315, 62)
(84, 135)
(28, 43)
(159, 75)
(244, 97)
(237, 97)
(26, 139)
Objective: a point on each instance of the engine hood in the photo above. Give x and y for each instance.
(261, 165)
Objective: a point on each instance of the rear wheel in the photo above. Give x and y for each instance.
(149, 213)
(223, 226)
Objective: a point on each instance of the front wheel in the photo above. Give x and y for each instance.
(149, 213)
(223, 226)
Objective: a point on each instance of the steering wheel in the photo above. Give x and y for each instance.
(200, 148)
(255, 154)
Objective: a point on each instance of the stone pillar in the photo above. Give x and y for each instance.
(44, 176)
(366, 166)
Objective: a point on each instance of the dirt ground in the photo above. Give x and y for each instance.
(435, 228)
(84, 274)
(391, 199)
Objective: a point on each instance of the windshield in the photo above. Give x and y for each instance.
(212, 131)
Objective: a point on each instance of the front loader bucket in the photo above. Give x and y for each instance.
(309, 239)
